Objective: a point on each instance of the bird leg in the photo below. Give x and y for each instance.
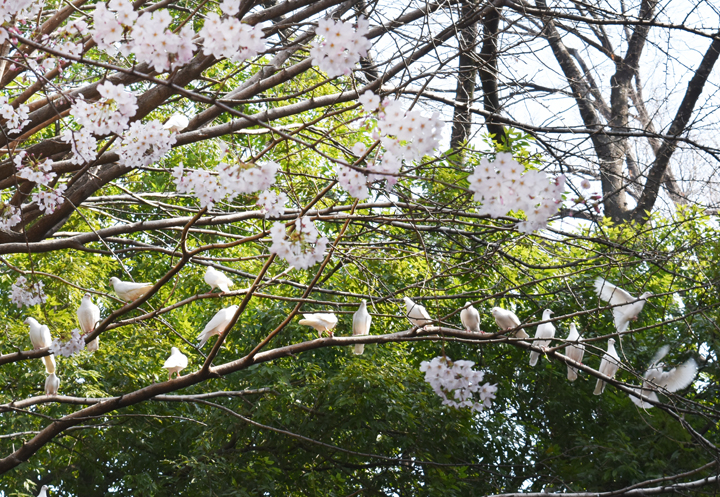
(169, 375)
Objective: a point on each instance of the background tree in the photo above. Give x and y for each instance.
(151, 141)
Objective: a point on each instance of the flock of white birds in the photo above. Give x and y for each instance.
(625, 308)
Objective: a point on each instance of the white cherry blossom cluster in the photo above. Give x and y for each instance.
(405, 136)
(273, 204)
(152, 41)
(303, 248)
(353, 181)
(341, 47)
(9, 8)
(145, 143)
(10, 216)
(228, 37)
(459, 381)
(504, 185)
(83, 144)
(15, 119)
(110, 114)
(75, 344)
(228, 180)
(40, 173)
(29, 294)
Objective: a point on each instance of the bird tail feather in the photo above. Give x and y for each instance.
(599, 387)
(49, 363)
(534, 356)
(359, 348)
(572, 373)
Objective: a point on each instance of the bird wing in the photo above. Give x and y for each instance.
(660, 355)
(44, 335)
(361, 323)
(545, 330)
(216, 322)
(677, 378)
(611, 293)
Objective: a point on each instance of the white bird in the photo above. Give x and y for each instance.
(628, 307)
(672, 381)
(52, 384)
(470, 318)
(544, 330)
(40, 338)
(43, 492)
(321, 321)
(127, 290)
(175, 363)
(361, 325)
(507, 320)
(574, 352)
(88, 316)
(608, 366)
(176, 123)
(416, 313)
(217, 325)
(217, 279)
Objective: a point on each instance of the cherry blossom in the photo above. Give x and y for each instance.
(10, 216)
(228, 180)
(9, 8)
(341, 47)
(459, 381)
(143, 144)
(504, 186)
(230, 38)
(28, 294)
(110, 114)
(303, 247)
(75, 344)
(273, 204)
(15, 119)
(369, 101)
(353, 181)
(83, 145)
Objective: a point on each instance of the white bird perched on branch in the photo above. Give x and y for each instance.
(574, 351)
(175, 363)
(470, 318)
(544, 330)
(43, 491)
(507, 320)
(628, 307)
(128, 290)
(672, 381)
(217, 325)
(176, 123)
(416, 313)
(608, 366)
(40, 338)
(52, 384)
(88, 316)
(321, 321)
(217, 279)
(361, 325)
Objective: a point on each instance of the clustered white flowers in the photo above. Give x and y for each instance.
(110, 114)
(29, 294)
(9, 8)
(10, 216)
(273, 204)
(406, 136)
(504, 185)
(231, 180)
(341, 47)
(72, 346)
(229, 37)
(15, 119)
(302, 248)
(83, 144)
(459, 381)
(40, 173)
(152, 42)
(144, 144)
